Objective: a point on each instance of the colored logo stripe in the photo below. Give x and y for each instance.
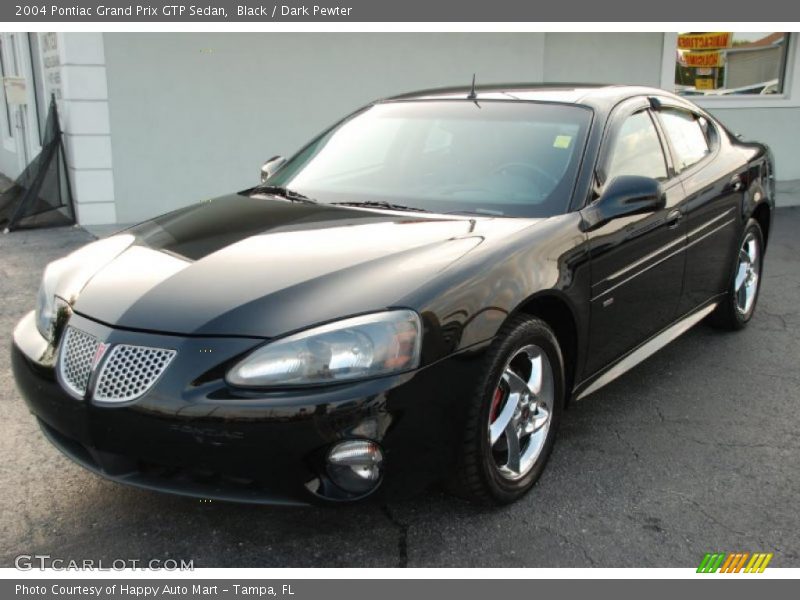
(734, 562)
(711, 562)
(758, 563)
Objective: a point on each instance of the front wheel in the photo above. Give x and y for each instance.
(739, 304)
(513, 416)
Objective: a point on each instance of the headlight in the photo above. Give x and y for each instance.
(46, 301)
(355, 348)
(64, 278)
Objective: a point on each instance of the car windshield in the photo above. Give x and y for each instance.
(502, 158)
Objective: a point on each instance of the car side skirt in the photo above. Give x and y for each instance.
(644, 351)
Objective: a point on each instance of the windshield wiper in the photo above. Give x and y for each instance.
(382, 204)
(483, 212)
(283, 192)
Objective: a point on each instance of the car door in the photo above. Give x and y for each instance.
(714, 182)
(637, 261)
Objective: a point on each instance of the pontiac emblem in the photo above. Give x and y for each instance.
(98, 354)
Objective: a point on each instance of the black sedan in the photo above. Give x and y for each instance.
(413, 297)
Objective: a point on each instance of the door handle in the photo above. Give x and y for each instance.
(673, 218)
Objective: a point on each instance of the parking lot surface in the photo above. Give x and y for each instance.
(695, 450)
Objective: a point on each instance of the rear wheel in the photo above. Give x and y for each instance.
(739, 304)
(513, 416)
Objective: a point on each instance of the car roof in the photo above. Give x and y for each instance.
(597, 96)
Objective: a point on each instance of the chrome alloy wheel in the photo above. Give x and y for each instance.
(745, 285)
(521, 412)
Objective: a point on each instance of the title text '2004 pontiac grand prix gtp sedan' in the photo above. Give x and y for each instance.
(413, 297)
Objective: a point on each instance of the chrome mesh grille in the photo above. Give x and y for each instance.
(75, 359)
(130, 371)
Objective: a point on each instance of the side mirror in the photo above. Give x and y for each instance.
(624, 196)
(269, 168)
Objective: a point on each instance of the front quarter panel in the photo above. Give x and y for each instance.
(469, 302)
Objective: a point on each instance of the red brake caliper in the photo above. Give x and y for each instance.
(496, 400)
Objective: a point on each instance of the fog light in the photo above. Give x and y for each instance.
(355, 465)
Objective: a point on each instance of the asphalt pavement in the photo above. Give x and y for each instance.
(695, 450)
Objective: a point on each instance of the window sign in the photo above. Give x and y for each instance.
(730, 63)
(16, 90)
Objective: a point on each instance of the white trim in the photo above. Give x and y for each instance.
(668, 51)
(29, 113)
(791, 85)
(272, 574)
(22, 136)
(87, 132)
(401, 26)
(8, 133)
(647, 349)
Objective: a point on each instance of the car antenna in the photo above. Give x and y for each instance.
(472, 95)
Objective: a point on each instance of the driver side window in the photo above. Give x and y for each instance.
(637, 150)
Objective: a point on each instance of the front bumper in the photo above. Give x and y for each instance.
(192, 434)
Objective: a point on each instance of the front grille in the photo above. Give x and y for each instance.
(130, 371)
(75, 359)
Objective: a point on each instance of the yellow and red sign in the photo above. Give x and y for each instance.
(703, 59)
(705, 41)
(704, 83)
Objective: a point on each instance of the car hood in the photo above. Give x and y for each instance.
(261, 267)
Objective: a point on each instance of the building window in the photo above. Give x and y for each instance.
(731, 63)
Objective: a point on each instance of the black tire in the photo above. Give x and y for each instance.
(727, 315)
(477, 476)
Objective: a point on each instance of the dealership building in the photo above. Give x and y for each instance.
(155, 121)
